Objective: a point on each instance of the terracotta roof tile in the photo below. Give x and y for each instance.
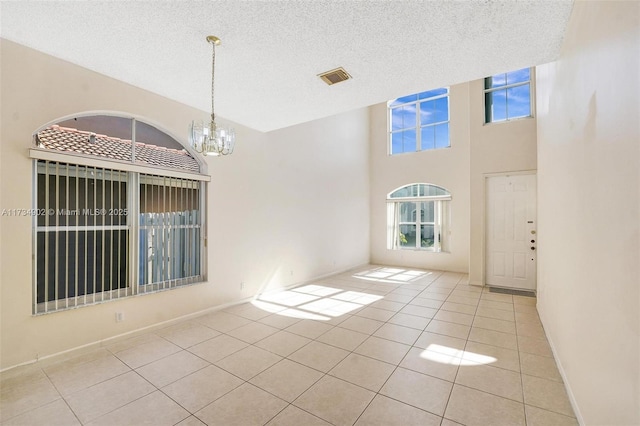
(79, 141)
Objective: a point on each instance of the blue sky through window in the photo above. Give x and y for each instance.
(508, 96)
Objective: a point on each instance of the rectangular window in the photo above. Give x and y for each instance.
(507, 96)
(98, 230)
(419, 122)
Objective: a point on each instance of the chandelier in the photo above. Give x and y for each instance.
(206, 137)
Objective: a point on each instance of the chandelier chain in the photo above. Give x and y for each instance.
(213, 74)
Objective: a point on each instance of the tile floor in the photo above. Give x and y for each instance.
(375, 346)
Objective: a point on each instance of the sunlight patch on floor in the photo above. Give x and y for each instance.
(453, 356)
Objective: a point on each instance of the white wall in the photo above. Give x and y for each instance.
(589, 215)
(286, 207)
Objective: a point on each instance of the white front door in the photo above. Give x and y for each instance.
(511, 238)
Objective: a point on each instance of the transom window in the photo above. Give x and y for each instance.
(507, 96)
(114, 215)
(418, 218)
(419, 122)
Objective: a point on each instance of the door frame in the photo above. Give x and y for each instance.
(485, 214)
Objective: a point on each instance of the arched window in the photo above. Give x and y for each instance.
(118, 211)
(418, 218)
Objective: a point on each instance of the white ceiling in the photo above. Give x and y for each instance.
(272, 51)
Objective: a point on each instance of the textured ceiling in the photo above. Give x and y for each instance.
(272, 51)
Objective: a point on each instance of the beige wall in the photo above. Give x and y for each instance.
(286, 207)
(589, 210)
(495, 148)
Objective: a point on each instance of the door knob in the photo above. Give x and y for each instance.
(533, 248)
(533, 241)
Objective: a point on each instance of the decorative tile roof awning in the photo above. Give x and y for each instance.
(82, 142)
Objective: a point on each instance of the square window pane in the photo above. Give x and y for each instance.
(519, 101)
(432, 93)
(409, 141)
(403, 117)
(441, 112)
(427, 138)
(407, 212)
(518, 76)
(496, 106)
(407, 235)
(442, 136)
(426, 236)
(404, 100)
(495, 81)
(427, 214)
(396, 143)
(427, 112)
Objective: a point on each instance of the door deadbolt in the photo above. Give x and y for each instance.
(533, 241)
(533, 248)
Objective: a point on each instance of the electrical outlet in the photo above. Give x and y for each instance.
(119, 316)
(242, 285)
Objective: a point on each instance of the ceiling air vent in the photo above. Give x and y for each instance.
(334, 76)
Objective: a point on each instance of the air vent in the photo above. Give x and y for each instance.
(334, 76)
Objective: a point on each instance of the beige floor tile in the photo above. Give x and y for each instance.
(540, 366)
(375, 314)
(500, 314)
(401, 298)
(361, 324)
(498, 297)
(154, 409)
(147, 352)
(547, 394)
(525, 318)
(22, 397)
(447, 422)
(335, 400)
(279, 321)
(504, 358)
(222, 321)
(496, 305)
(245, 405)
(459, 331)
(494, 380)
(363, 371)
(343, 338)
(524, 300)
(217, 348)
(21, 376)
(437, 364)
(525, 309)
(56, 413)
(539, 417)
(427, 303)
(383, 350)
(454, 317)
(253, 332)
(388, 305)
(421, 311)
(495, 338)
(124, 343)
(167, 370)
(309, 328)
(530, 330)
(191, 421)
(385, 411)
(471, 301)
(188, 333)
(406, 292)
(319, 355)
(437, 295)
(439, 342)
(475, 408)
(255, 313)
(411, 321)
(465, 293)
(422, 391)
(495, 324)
(107, 396)
(459, 307)
(398, 333)
(534, 346)
(287, 379)
(248, 362)
(293, 416)
(80, 376)
(201, 388)
(283, 343)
